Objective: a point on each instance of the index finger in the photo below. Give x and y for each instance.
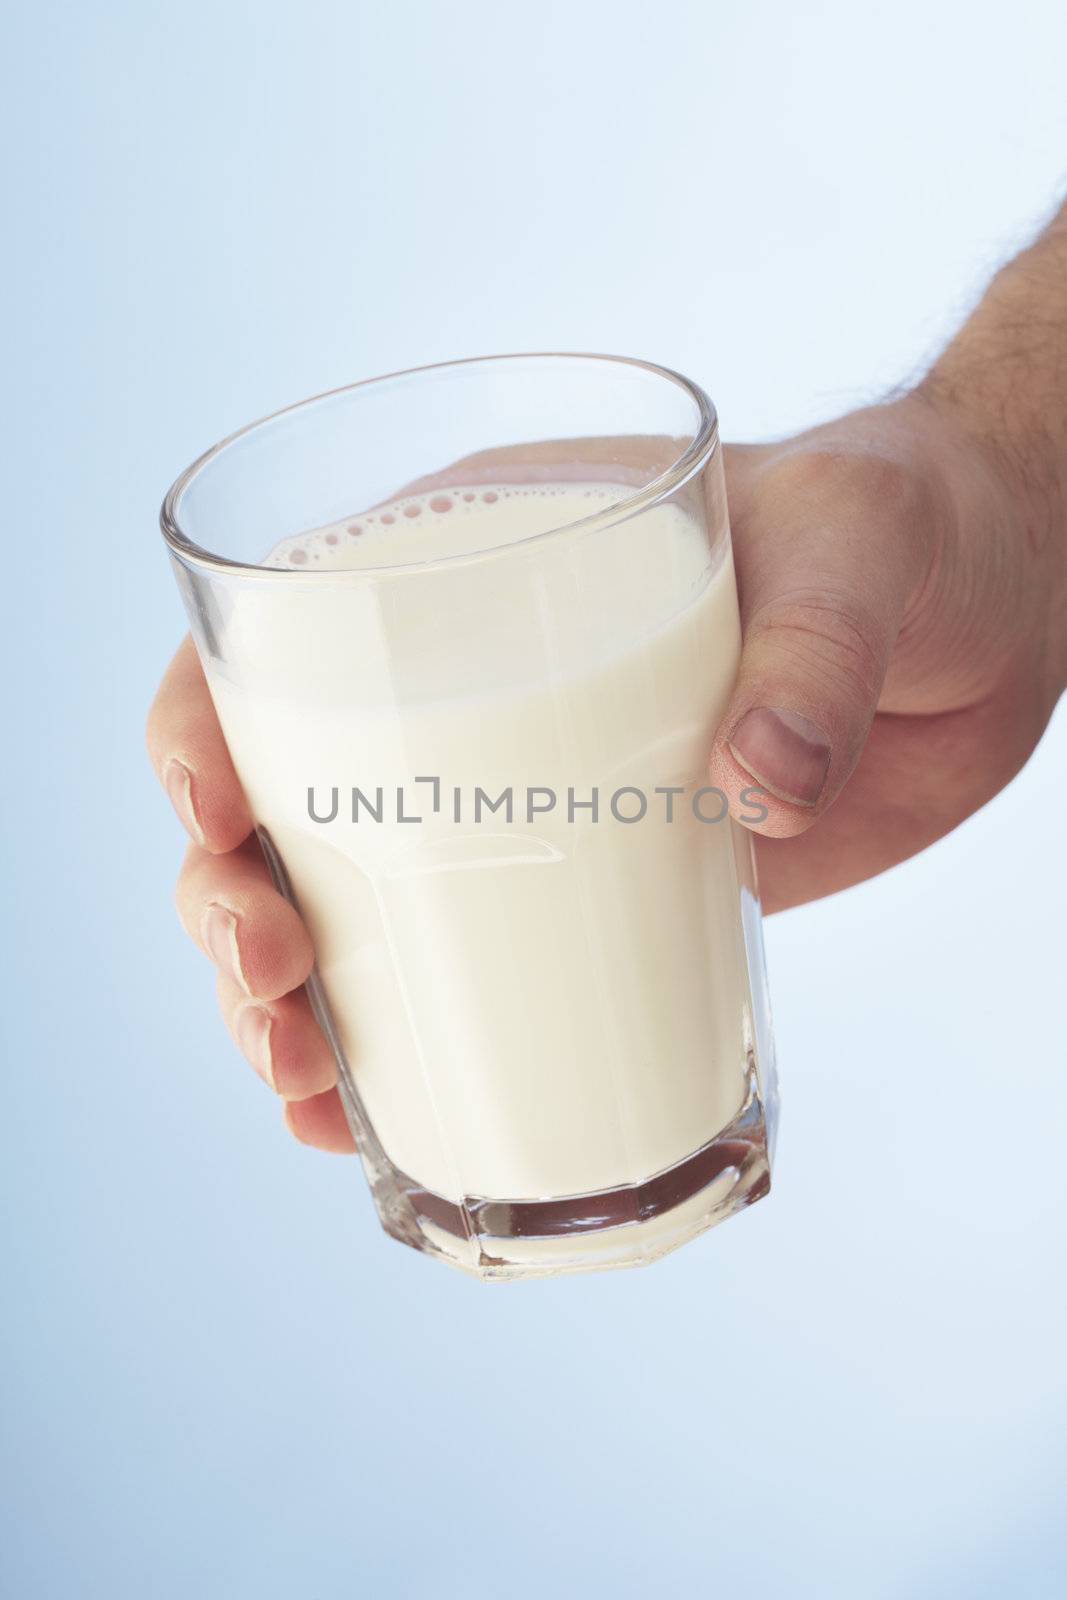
(628, 459)
(189, 753)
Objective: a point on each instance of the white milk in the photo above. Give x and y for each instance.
(530, 1008)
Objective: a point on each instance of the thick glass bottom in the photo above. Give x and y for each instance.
(629, 1226)
(499, 1239)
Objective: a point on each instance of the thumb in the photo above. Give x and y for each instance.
(828, 552)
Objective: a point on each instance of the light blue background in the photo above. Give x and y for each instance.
(220, 1378)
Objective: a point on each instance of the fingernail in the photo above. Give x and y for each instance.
(178, 782)
(253, 1027)
(787, 753)
(218, 933)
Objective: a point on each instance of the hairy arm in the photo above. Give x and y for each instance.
(1003, 380)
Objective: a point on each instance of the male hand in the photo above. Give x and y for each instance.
(903, 649)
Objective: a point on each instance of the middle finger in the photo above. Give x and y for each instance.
(229, 906)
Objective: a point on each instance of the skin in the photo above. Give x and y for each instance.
(903, 583)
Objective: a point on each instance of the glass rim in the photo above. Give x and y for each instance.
(697, 452)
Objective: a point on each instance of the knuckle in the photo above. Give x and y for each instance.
(843, 468)
(290, 1117)
(189, 873)
(890, 500)
(184, 912)
(155, 732)
(826, 636)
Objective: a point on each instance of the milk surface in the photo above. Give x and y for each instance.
(534, 1007)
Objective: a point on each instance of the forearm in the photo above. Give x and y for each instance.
(1003, 383)
(1005, 372)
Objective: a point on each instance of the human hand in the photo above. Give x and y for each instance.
(904, 604)
(902, 653)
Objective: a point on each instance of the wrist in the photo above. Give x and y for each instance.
(1021, 455)
(1006, 484)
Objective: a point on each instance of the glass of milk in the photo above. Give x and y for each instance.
(469, 631)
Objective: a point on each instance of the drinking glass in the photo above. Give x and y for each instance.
(477, 768)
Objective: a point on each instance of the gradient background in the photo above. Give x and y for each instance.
(220, 1379)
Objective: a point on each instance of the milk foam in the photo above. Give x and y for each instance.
(442, 523)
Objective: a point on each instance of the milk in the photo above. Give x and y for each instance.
(543, 1006)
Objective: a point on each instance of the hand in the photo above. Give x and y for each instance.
(229, 906)
(898, 669)
(903, 605)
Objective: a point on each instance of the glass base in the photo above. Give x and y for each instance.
(624, 1227)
